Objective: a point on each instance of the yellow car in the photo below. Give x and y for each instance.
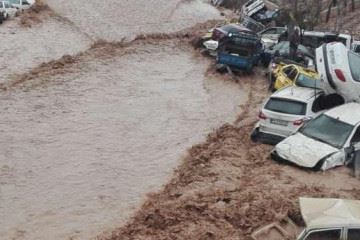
(292, 74)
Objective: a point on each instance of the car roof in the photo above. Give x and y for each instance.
(348, 113)
(300, 94)
(330, 212)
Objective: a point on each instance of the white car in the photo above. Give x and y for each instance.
(324, 142)
(339, 70)
(21, 4)
(330, 219)
(285, 112)
(324, 218)
(9, 10)
(316, 39)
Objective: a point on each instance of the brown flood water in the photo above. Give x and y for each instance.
(78, 155)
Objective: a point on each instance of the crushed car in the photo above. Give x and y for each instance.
(304, 55)
(325, 142)
(239, 52)
(324, 218)
(251, 7)
(220, 32)
(285, 111)
(271, 35)
(339, 70)
(293, 74)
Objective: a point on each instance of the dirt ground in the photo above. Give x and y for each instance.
(227, 186)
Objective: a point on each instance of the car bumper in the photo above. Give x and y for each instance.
(266, 138)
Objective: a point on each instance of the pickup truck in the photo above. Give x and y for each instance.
(240, 51)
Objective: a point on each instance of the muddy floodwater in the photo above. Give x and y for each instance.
(79, 154)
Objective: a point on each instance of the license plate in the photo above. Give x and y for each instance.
(279, 122)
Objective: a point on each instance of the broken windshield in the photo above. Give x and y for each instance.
(328, 130)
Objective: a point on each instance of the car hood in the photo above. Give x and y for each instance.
(303, 151)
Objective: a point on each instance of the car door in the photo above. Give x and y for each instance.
(353, 234)
(324, 234)
(283, 78)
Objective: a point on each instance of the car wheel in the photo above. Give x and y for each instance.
(254, 136)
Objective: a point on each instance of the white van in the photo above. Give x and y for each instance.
(21, 4)
(8, 9)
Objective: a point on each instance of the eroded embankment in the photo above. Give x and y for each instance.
(227, 186)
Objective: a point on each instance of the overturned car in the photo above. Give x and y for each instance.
(325, 142)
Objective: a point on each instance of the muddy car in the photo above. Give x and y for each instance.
(304, 55)
(339, 71)
(285, 112)
(324, 218)
(324, 142)
(330, 219)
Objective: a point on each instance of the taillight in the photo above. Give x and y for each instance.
(340, 75)
(262, 115)
(298, 122)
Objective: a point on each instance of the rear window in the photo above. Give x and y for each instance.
(306, 81)
(286, 106)
(354, 63)
(230, 29)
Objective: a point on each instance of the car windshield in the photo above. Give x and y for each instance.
(306, 81)
(286, 106)
(328, 130)
(354, 63)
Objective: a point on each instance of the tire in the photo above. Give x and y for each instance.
(254, 136)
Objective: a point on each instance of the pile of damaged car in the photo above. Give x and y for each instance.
(313, 114)
(313, 117)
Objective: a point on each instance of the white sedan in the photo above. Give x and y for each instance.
(339, 70)
(286, 111)
(325, 142)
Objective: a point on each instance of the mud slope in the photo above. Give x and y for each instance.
(114, 20)
(227, 186)
(81, 145)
